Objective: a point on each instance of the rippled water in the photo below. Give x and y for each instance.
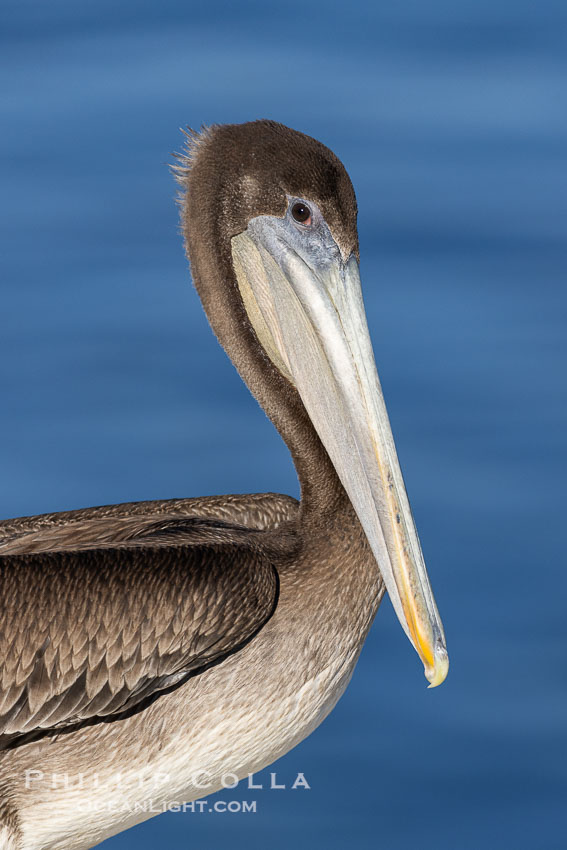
(451, 120)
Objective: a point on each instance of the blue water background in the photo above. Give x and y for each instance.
(451, 119)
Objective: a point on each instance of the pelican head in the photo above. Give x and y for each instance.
(281, 212)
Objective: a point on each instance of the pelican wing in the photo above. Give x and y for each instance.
(95, 632)
(89, 528)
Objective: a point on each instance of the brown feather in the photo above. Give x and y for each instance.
(216, 583)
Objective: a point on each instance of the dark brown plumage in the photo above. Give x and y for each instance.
(104, 651)
(128, 601)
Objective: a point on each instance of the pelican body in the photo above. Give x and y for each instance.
(150, 650)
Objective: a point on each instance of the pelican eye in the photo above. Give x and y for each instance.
(301, 213)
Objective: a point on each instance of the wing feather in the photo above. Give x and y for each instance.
(92, 633)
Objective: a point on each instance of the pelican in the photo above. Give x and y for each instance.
(150, 649)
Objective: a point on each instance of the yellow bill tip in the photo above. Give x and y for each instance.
(437, 673)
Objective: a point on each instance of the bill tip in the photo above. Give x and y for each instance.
(437, 674)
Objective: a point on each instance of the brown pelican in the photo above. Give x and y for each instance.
(148, 650)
